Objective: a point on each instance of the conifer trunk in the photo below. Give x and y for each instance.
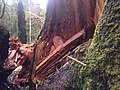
(21, 23)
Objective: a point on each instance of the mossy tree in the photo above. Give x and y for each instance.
(103, 58)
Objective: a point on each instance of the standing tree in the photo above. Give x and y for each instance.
(21, 23)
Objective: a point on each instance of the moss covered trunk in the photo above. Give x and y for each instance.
(103, 59)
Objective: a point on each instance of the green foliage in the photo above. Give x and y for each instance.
(10, 19)
(38, 18)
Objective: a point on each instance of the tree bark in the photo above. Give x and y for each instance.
(21, 23)
(64, 19)
(103, 56)
(4, 44)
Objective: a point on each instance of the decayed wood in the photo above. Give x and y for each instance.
(20, 55)
(59, 52)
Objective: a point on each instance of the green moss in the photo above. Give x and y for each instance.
(103, 57)
(103, 72)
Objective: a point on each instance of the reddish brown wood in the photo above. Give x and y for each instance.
(61, 50)
(64, 20)
(68, 24)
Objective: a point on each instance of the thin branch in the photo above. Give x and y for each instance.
(3, 10)
(36, 15)
(77, 61)
(8, 14)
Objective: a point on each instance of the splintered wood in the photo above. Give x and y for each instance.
(19, 55)
(68, 24)
(57, 53)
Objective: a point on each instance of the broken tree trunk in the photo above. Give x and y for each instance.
(68, 24)
(71, 43)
